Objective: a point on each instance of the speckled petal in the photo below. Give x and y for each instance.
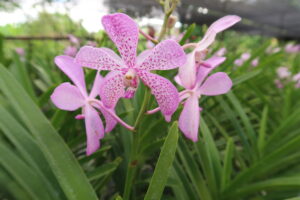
(72, 70)
(96, 86)
(112, 89)
(164, 91)
(98, 58)
(216, 84)
(94, 129)
(166, 55)
(123, 31)
(67, 97)
(189, 118)
(142, 56)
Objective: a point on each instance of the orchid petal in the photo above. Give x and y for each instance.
(178, 80)
(142, 56)
(164, 91)
(98, 58)
(112, 89)
(96, 86)
(72, 70)
(218, 26)
(166, 55)
(123, 31)
(216, 84)
(189, 118)
(204, 71)
(67, 97)
(110, 121)
(94, 129)
(187, 72)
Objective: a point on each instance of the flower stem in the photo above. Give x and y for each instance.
(100, 106)
(133, 162)
(168, 11)
(148, 37)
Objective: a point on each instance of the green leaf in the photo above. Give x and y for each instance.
(187, 34)
(25, 176)
(63, 163)
(104, 169)
(262, 131)
(227, 168)
(271, 184)
(163, 166)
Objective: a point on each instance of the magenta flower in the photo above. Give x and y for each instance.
(283, 72)
(20, 51)
(70, 51)
(240, 61)
(292, 48)
(216, 84)
(73, 39)
(255, 62)
(221, 52)
(72, 97)
(128, 70)
(192, 76)
(187, 73)
(278, 84)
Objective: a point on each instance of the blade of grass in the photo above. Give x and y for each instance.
(163, 166)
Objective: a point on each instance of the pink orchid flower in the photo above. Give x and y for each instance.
(187, 73)
(72, 97)
(292, 48)
(215, 84)
(221, 52)
(20, 51)
(283, 72)
(126, 72)
(73, 39)
(255, 62)
(192, 77)
(70, 51)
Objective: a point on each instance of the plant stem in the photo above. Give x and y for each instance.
(168, 12)
(132, 166)
(148, 37)
(133, 162)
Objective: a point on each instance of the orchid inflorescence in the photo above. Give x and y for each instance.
(127, 71)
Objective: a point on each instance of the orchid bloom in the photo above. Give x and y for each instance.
(127, 71)
(255, 62)
(216, 84)
(192, 77)
(283, 72)
(198, 54)
(70, 51)
(72, 97)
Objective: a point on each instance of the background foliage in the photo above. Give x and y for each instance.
(249, 138)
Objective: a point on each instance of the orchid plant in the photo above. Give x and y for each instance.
(127, 70)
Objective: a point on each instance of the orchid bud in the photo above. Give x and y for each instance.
(171, 21)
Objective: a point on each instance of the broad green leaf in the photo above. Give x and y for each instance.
(163, 166)
(25, 176)
(63, 163)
